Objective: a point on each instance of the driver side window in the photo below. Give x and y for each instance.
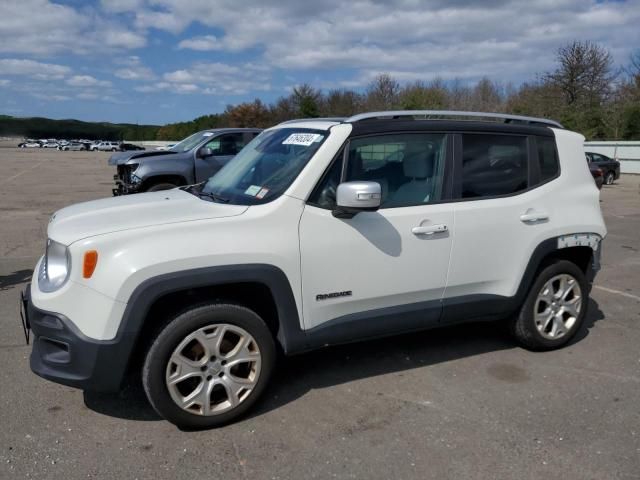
(409, 168)
(229, 144)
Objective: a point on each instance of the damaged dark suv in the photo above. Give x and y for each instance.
(193, 160)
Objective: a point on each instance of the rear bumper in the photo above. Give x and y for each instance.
(64, 355)
(594, 267)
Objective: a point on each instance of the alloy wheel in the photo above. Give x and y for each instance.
(609, 178)
(213, 369)
(557, 306)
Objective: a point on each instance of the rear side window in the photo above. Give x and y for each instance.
(493, 165)
(547, 158)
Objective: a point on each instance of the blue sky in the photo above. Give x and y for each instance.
(159, 61)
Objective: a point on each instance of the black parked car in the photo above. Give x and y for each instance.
(597, 174)
(610, 167)
(193, 160)
(126, 147)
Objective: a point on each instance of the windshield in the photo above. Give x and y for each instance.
(190, 142)
(266, 167)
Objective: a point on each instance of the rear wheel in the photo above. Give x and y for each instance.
(209, 365)
(610, 178)
(554, 309)
(161, 186)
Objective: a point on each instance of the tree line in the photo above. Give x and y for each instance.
(585, 92)
(36, 127)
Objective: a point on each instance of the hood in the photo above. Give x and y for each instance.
(121, 158)
(115, 214)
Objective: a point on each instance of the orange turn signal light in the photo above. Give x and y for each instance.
(90, 262)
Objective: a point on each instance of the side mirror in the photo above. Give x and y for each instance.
(205, 152)
(354, 197)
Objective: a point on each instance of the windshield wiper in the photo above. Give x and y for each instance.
(196, 189)
(213, 196)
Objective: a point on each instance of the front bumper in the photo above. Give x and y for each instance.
(124, 188)
(64, 355)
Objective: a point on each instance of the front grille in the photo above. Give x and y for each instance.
(125, 173)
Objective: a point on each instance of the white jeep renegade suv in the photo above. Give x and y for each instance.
(318, 232)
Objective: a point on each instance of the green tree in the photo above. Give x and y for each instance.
(307, 100)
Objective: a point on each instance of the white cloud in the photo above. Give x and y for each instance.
(87, 95)
(204, 43)
(179, 76)
(507, 39)
(42, 27)
(161, 20)
(44, 71)
(173, 87)
(134, 73)
(87, 81)
(213, 79)
(4, 82)
(118, 6)
(119, 38)
(132, 69)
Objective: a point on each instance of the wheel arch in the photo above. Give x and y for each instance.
(176, 179)
(262, 288)
(550, 250)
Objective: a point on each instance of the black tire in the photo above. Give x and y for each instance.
(161, 186)
(157, 358)
(610, 178)
(523, 326)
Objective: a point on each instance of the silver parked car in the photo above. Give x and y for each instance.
(74, 146)
(107, 146)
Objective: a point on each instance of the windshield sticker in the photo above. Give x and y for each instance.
(262, 193)
(304, 139)
(207, 134)
(252, 190)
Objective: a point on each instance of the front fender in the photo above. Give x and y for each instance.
(158, 167)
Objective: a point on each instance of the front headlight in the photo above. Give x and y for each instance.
(55, 267)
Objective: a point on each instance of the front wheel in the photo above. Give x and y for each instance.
(610, 178)
(209, 365)
(554, 309)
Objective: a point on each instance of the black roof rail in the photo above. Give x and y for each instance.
(440, 114)
(320, 119)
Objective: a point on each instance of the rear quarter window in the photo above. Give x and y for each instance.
(493, 165)
(547, 158)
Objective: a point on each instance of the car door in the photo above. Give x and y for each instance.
(384, 271)
(598, 159)
(223, 148)
(500, 218)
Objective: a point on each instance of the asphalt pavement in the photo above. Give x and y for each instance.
(461, 402)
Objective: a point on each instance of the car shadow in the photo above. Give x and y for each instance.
(15, 278)
(297, 375)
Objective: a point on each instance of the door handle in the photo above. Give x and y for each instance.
(533, 216)
(429, 229)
